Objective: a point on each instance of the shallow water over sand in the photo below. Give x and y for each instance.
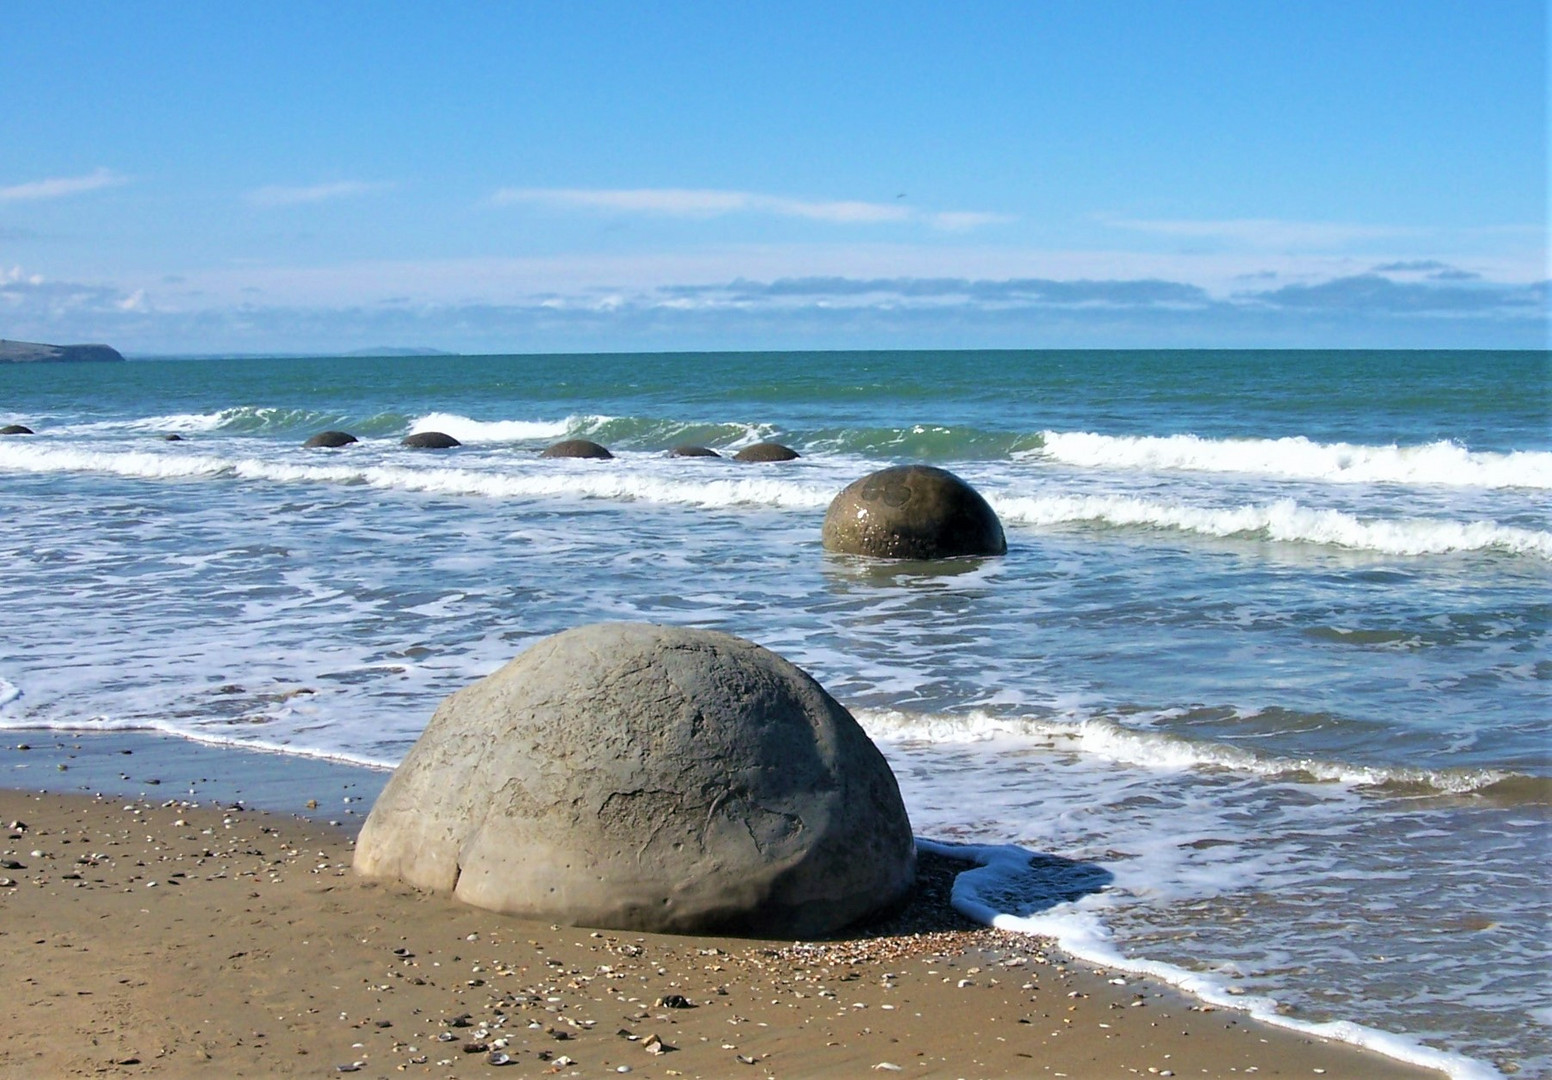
(1269, 643)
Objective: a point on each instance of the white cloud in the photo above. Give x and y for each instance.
(295, 196)
(60, 187)
(700, 202)
(1266, 233)
(957, 220)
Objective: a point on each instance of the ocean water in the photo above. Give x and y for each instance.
(1269, 646)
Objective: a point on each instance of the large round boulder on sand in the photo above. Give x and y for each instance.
(766, 451)
(330, 439)
(578, 448)
(429, 440)
(641, 777)
(912, 512)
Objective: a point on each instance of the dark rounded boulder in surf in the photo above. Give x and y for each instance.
(577, 448)
(648, 778)
(16, 429)
(912, 512)
(767, 451)
(429, 440)
(693, 451)
(172, 438)
(330, 439)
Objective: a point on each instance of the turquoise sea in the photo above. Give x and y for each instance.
(1269, 644)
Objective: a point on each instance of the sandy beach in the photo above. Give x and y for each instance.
(144, 935)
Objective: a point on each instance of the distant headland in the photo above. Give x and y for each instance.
(31, 352)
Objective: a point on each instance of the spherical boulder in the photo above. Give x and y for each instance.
(766, 451)
(912, 512)
(640, 777)
(693, 451)
(330, 439)
(577, 448)
(429, 440)
(16, 429)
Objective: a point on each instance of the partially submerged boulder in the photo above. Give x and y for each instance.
(429, 440)
(912, 512)
(330, 440)
(16, 429)
(693, 451)
(766, 451)
(641, 777)
(577, 448)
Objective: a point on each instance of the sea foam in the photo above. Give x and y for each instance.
(1084, 936)
(1107, 740)
(1282, 520)
(1299, 458)
(467, 430)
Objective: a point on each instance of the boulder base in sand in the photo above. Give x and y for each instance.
(641, 777)
(912, 512)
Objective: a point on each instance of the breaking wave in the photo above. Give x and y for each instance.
(1283, 520)
(1299, 458)
(1105, 739)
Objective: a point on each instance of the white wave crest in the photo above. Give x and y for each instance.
(467, 430)
(1442, 463)
(1080, 933)
(180, 422)
(102, 725)
(1283, 520)
(556, 479)
(1110, 741)
(9, 692)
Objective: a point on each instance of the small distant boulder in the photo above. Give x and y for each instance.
(766, 451)
(172, 438)
(16, 429)
(429, 440)
(330, 439)
(650, 778)
(577, 448)
(693, 451)
(912, 512)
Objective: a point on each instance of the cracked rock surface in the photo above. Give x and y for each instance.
(632, 776)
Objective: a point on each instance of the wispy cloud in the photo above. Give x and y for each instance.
(703, 203)
(1265, 233)
(61, 187)
(275, 195)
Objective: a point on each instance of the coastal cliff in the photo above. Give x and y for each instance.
(31, 352)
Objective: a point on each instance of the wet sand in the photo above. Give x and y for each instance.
(144, 936)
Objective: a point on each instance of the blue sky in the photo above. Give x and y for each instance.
(528, 177)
